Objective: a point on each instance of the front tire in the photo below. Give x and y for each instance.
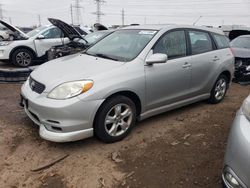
(115, 119)
(219, 90)
(22, 57)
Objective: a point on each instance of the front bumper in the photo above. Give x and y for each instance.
(60, 120)
(4, 53)
(237, 157)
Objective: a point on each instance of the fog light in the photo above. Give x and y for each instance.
(232, 181)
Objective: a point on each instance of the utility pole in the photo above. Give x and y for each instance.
(78, 14)
(123, 17)
(10, 20)
(98, 12)
(71, 14)
(39, 20)
(1, 12)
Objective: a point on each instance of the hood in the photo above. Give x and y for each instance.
(71, 68)
(241, 52)
(15, 30)
(67, 30)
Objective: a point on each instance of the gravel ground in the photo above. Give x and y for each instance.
(181, 148)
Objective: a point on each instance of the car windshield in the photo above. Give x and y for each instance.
(94, 37)
(36, 31)
(122, 45)
(241, 42)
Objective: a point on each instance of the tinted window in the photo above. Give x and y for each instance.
(53, 33)
(221, 41)
(173, 44)
(200, 42)
(241, 42)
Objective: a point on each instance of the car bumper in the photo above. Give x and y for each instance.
(4, 54)
(60, 120)
(237, 157)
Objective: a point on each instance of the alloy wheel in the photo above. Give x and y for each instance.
(23, 59)
(220, 89)
(118, 120)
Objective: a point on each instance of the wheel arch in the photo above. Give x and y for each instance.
(22, 47)
(130, 94)
(227, 74)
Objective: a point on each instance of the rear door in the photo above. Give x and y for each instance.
(53, 37)
(169, 82)
(204, 61)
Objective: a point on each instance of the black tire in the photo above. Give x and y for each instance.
(100, 127)
(213, 99)
(27, 60)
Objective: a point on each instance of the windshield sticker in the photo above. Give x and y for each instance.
(147, 32)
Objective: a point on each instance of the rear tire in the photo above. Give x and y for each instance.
(219, 89)
(115, 119)
(22, 57)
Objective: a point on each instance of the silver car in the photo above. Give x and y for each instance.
(236, 172)
(132, 74)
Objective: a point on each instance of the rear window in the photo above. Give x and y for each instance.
(221, 41)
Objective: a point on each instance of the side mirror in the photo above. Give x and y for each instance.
(40, 37)
(157, 58)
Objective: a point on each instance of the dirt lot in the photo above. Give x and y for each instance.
(182, 148)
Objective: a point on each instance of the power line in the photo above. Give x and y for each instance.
(98, 12)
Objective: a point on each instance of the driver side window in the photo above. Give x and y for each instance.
(172, 44)
(53, 33)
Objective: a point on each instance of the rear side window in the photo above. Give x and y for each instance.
(221, 41)
(200, 42)
(172, 44)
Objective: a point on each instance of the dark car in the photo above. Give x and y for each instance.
(241, 49)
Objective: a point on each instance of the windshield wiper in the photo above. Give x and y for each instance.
(106, 56)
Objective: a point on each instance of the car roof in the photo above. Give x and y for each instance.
(172, 26)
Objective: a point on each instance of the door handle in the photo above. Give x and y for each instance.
(216, 58)
(186, 65)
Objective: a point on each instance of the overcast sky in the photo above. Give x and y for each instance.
(213, 12)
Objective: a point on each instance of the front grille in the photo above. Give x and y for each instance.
(36, 86)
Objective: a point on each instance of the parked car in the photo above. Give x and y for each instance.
(77, 41)
(132, 74)
(25, 49)
(241, 50)
(236, 171)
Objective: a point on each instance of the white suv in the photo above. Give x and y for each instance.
(24, 49)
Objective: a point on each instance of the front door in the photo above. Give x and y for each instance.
(169, 82)
(52, 37)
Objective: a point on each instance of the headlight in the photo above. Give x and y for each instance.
(70, 89)
(4, 43)
(246, 108)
